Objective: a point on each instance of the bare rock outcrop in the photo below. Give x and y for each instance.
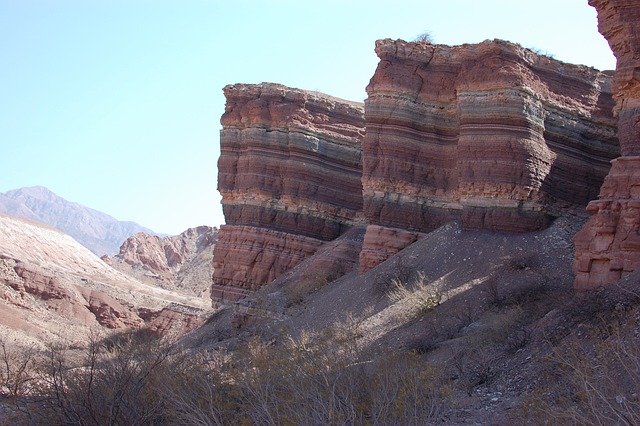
(290, 177)
(493, 135)
(180, 262)
(51, 287)
(608, 247)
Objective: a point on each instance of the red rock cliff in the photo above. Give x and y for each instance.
(609, 245)
(491, 134)
(289, 174)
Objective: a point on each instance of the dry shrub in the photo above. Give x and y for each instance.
(593, 377)
(421, 295)
(307, 378)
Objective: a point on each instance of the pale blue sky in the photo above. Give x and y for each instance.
(115, 104)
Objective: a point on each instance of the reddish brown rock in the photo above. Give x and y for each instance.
(381, 242)
(492, 135)
(180, 262)
(289, 174)
(173, 321)
(618, 23)
(608, 247)
(248, 257)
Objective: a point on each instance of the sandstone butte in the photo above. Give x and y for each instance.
(491, 135)
(290, 178)
(608, 247)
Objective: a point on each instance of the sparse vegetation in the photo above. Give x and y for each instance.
(424, 37)
(307, 378)
(413, 349)
(591, 377)
(421, 295)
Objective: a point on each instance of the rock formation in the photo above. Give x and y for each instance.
(52, 287)
(492, 135)
(180, 262)
(608, 247)
(289, 174)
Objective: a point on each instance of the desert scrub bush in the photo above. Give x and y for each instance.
(117, 384)
(17, 378)
(400, 270)
(595, 377)
(306, 378)
(420, 296)
(320, 383)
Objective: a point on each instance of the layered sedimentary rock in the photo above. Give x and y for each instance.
(492, 135)
(608, 247)
(289, 175)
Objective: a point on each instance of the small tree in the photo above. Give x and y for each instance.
(424, 37)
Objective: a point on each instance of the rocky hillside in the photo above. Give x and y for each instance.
(52, 288)
(491, 135)
(181, 262)
(99, 232)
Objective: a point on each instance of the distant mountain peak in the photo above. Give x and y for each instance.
(99, 232)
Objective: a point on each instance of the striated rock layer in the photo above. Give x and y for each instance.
(492, 135)
(608, 247)
(290, 178)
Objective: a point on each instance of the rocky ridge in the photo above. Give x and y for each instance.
(492, 135)
(51, 288)
(181, 262)
(99, 232)
(608, 248)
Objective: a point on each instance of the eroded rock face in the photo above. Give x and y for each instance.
(181, 262)
(289, 175)
(608, 247)
(492, 135)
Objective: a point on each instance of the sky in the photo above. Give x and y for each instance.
(116, 104)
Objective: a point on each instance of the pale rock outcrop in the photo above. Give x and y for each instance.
(608, 247)
(492, 134)
(289, 174)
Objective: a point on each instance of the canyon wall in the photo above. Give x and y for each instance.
(289, 175)
(608, 247)
(492, 134)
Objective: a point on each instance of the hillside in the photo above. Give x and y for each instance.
(53, 288)
(99, 232)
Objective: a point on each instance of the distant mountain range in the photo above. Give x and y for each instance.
(97, 231)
